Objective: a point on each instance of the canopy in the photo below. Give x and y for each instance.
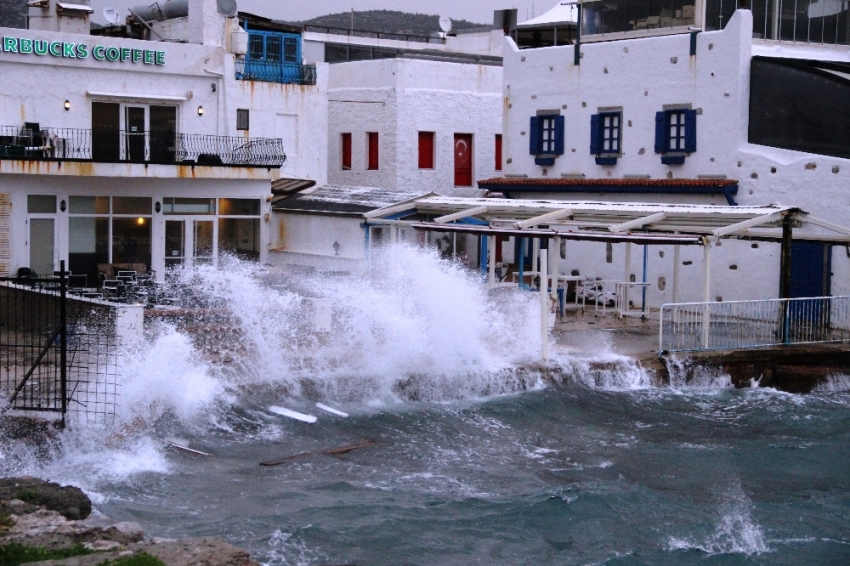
(564, 13)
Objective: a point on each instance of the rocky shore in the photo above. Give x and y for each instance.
(45, 524)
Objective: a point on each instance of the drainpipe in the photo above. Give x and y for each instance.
(544, 311)
(577, 51)
(706, 292)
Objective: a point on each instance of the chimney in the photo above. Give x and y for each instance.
(54, 15)
(206, 24)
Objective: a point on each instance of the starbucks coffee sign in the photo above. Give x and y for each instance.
(67, 50)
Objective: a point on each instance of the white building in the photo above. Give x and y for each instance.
(415, 124)
(657, 104)
(154, 150)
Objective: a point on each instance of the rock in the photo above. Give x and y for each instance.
(187, 552)
(49, 529)
(69, 501)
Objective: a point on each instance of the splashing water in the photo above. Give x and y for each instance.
(736, 531)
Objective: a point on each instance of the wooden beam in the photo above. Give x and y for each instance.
(741, 226)
(638, 223)
(462, 214)
(544, 218)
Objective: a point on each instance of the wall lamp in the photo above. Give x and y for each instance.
(62, 205)
(67, 105)
(200, 110)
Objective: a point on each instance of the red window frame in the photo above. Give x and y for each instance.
(372, 161)
(426, 150)
(346, 152)
(498, 152)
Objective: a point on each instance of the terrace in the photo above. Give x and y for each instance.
(161, 147)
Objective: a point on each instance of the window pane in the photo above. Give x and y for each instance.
(131, 205)
(173, 205)
(239, 206)
(239, 237)
(131, 240)
(41, 204)
(290, 50)
(89, 205)
(255, 46)
(273, 48)
(88, 246)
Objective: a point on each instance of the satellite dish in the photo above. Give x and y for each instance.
(227, 8)
(111, 16)
(445, 24)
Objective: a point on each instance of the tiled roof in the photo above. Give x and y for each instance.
(596, 183)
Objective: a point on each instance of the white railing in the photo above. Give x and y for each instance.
(751, 324)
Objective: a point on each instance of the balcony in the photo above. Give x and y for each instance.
(275, 72)
(155, 147)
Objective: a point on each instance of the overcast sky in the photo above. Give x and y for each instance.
(474, 10)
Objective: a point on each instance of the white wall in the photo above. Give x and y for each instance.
(398, 98)
(306, 240)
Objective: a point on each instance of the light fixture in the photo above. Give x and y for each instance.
(140, 221)
(67, 105)
(336, 247)
(62, 205)
(200, 110)
(158, 206)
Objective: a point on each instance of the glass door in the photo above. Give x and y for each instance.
(175, 242)
(135, 132)
(189, 242)
(42, 246)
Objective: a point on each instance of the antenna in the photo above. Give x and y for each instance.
(227, 8)
(445, 24)
(111, 16)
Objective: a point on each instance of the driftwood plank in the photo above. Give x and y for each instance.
(326, 451)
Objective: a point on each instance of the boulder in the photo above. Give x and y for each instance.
(70, 502)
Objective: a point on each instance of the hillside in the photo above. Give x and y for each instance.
(389, 21)
(13, 13)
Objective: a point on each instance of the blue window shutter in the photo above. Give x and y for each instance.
(690, 131)
(660, 131)
(595, 122)
(559, 135)
(534, 136)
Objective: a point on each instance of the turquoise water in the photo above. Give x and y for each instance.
(561, 476)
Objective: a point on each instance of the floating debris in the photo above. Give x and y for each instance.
(331, 410)
(326, 451)
(292, 414)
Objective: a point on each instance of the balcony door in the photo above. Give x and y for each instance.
(134, 132)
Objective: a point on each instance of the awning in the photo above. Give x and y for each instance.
(565, 13)
(727, 188)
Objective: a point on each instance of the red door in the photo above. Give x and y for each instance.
(463, 160)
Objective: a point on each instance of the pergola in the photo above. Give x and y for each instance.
(630, 223)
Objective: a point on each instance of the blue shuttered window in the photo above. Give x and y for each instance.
(675, 135)
(546, 138)
(606, 137)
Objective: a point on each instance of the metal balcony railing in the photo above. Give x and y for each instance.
(155, 147)
(275, 72)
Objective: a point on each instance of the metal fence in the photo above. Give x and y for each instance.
(750, 324)
(276, 72)
(157, 147)
(824, 22)
(58, 353)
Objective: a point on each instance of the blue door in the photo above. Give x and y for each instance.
(811, 266)
(810, 270)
